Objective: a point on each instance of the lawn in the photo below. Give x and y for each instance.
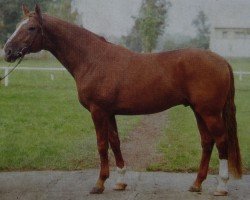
(42, 124)
(181, 142)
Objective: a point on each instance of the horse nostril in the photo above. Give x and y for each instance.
(9, 52)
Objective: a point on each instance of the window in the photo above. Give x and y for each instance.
(224, 34)
(240, 35)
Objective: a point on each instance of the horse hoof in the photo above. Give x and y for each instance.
(96, 190)
(220, 193)
(194, 189)
(120, 186)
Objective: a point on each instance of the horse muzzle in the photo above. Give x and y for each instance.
(12, 55)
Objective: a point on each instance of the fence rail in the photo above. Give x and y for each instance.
(7, 69)
(241, 74)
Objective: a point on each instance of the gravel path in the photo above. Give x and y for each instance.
(141, 186)
(139, 150)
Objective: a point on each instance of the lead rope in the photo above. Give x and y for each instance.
(19, 61)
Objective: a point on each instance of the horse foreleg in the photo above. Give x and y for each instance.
(100, 119)
(207, 144)
(115, 145)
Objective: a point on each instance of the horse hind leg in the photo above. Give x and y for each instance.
(217, 129)
(114, 142)
(207, 143)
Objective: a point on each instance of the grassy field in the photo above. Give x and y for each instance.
(43, 126)
(181, 142)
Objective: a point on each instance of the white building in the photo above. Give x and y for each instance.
(230, 31)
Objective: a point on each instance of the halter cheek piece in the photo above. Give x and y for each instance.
(23, 52)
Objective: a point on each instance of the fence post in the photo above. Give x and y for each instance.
(240, 76)
(52, 77)
(6, 80)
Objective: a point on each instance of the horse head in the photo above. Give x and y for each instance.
(27, 38)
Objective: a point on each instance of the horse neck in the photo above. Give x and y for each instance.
(71, 45)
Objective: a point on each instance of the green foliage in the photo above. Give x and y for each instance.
(200, 41)
(149, 25)
(63, 10)
(203, 31)
(133, 40)
(152, 22)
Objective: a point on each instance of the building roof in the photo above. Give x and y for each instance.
(231, 16)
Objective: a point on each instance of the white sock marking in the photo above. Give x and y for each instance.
(120, 174)
(223, 176)
(223, 172)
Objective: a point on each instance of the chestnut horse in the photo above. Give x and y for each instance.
(112, 80)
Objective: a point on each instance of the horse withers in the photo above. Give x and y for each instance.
(111, 80)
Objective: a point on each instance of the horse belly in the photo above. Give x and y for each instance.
(147, 102)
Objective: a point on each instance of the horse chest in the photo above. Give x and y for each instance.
(97, 93)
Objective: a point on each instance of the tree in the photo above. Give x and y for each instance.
(203, 30)
(152, 22)
(63, 10)
(149, 25)
(152, 19)
(133, 40)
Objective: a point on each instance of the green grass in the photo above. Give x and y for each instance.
(181, 142)
(46, 62)
(42, 124)
(240, 64)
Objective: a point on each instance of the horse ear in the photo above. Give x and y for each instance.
(25, 10)
(39, 13)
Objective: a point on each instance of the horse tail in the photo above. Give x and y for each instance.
(229, 117)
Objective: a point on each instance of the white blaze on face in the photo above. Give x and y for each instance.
(16, 31)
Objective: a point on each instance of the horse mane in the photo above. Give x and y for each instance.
(79, 28)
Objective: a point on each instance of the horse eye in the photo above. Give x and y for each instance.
(31, 28)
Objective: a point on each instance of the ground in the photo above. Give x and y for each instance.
(139, 148)
(76, 185)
